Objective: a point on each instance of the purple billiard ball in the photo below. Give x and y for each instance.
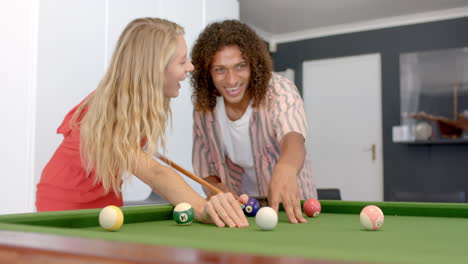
(251, 207)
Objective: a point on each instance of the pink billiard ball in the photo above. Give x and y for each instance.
(372, 218)
(312, 207)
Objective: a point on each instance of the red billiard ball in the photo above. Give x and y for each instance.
(312, 207)
(371, 217)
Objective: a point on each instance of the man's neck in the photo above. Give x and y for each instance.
(236, 111)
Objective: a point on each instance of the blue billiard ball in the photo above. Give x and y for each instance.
(251, 207)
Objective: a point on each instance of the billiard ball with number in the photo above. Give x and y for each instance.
(183, 214)
(371, 217)
(312, 207)
(251, 207)
(111, 218)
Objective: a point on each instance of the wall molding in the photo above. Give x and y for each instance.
(365, 25)
(32, 106)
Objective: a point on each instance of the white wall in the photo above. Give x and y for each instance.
(53, 53)
(17, 33)
(70, 62)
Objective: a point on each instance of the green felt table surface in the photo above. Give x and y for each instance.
(412, 232)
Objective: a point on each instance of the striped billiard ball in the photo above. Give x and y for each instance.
(183, 214)
(371, 217)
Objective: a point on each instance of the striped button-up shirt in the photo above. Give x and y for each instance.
(281, 112)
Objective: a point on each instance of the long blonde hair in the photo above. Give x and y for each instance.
(128, 109)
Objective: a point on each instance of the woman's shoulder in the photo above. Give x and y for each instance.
(66, 125)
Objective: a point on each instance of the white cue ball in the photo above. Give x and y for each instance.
(111, 218)
(266, 218)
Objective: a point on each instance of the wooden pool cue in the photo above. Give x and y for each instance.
(192, 176)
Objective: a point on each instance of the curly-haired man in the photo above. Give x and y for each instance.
(249, 123)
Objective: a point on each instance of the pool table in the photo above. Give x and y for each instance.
(412, 233)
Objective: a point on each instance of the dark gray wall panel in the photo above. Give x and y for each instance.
(420, 172)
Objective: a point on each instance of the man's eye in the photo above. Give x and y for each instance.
(241, 66)
(219, 70)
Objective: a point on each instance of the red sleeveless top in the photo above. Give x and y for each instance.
(64, 184)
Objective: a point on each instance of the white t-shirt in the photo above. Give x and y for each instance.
(238, 145)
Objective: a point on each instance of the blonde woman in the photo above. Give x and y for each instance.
(117, 129)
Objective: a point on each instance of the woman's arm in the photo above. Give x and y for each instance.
(222, 209)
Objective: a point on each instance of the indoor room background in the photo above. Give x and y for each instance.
(54, 52)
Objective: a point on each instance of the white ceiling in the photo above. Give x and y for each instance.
(280, 19)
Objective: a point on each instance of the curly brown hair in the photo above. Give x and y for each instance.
(215, 37)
